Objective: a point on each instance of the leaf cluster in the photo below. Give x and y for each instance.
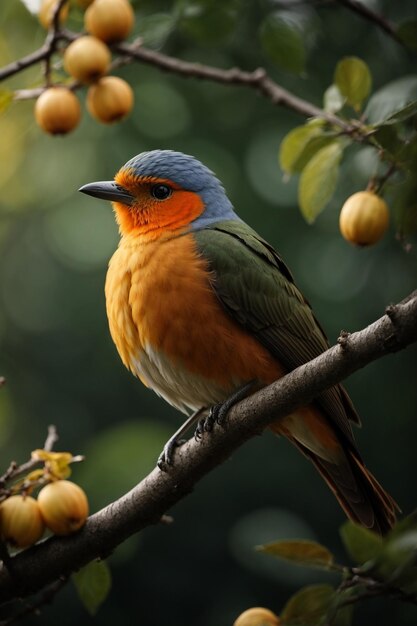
(315, 150)
(384, 567)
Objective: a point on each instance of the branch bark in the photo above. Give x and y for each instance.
(147, 503)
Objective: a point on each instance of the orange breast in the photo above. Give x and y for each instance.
(160, 301)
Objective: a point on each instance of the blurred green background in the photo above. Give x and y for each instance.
(57, 354)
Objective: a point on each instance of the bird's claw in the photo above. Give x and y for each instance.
(166, 457)
(218, 412)
(217, 415)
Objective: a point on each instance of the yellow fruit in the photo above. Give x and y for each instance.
(110, 99)
(87, 58)
(46, 11)
(21, 521)
(364, 218)
(64, 507)
(109, 20)
(257, 616)
(57, 110)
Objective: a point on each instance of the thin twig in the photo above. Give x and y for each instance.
(51, 439)
(52, 39)
(14, 471)
(370, 15)
(34, 607)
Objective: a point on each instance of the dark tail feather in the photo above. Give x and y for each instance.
(360, 495)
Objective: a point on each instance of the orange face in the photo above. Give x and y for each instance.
(160, 206)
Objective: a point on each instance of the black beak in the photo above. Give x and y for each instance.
(108, 190)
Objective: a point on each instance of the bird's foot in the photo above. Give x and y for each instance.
(167, 455)
(218, 412)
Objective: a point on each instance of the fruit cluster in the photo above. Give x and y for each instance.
(87, 59)
(61, 505)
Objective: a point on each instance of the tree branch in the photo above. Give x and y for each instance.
(146, 503)
(258, 79)
(44, 53)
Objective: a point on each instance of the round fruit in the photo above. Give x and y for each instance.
(87, 58)
(257, 616)
(57, 110)
(109, 20)
(64, 507)
(110, 99)
(47, 10)
(364, 218)
(21, 521)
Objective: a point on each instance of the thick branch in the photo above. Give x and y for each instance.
(146, 503)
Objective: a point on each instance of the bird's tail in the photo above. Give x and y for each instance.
(360, 495)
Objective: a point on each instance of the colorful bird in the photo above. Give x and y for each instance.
(201, 309)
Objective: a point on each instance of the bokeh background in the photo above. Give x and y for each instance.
(55, 348)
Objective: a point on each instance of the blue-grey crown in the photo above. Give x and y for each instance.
(190, 174)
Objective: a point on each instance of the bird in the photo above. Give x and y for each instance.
(203, 310)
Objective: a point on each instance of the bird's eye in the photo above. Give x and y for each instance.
(161, 192)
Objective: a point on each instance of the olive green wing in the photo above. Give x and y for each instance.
(257, 289)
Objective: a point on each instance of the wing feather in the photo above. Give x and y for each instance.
(257, 289)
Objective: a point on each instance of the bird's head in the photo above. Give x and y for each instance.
(162, 191)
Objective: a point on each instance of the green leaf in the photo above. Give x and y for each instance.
(362, 544)
(407, 32)
(353, 79)
(396, 562)
(93, 583)
(391, 98)
(155, 29)
(300, 551)
(403, 114)
(308, 606)
(387, 137)
(283, 42)
(333, 100)
(6, 98)
(318, 180)
(341, 607)
(294, 153)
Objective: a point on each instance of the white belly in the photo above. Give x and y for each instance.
(183, 390)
